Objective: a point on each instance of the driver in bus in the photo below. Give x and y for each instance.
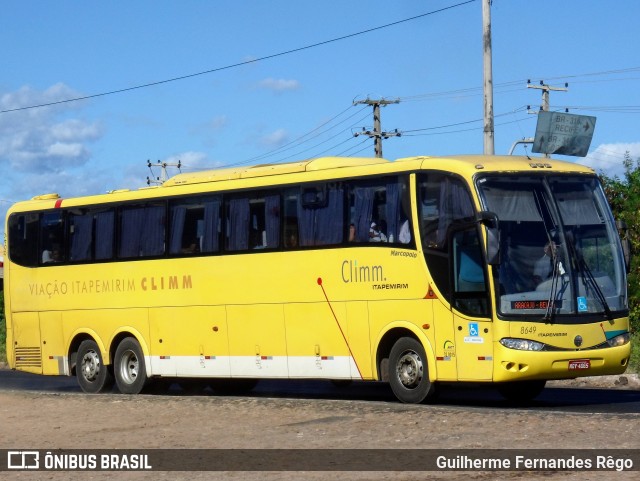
(544, 266)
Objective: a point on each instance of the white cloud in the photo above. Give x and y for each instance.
(609, 158)
(37, 139)
(190, 160)
(275, 139)
(62, 149)
(279, 85)
(74, 129)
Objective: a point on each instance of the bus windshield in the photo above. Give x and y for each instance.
(560, 254)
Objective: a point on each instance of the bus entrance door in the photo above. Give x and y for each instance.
(474, 348)
(470, 303)
(445, 342)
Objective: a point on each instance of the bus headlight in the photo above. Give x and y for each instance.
(521, 344)
(619, 340)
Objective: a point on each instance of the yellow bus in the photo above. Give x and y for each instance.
(415, 272)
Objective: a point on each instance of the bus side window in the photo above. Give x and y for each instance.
(469, 283)
(321, 223)
(195, 225)
(52, 237)
(290, 218)
(444, 203)
(142, 232)
(91, 234)
(253, 222)
(23, 239)
(378, 211)
(80, 236)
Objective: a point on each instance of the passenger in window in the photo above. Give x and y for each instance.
(375, 234)
(257, 239)
(352, 233)
(292, 240)
(190, 249)
(404, 236)
(52, 255)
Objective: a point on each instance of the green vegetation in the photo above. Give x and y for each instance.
(624, 197)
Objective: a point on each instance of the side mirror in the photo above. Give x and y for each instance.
(490, 221)
(626, 244)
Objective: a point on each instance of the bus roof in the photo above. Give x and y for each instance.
(319, 169)
(322, 163)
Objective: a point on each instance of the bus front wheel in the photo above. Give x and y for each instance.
(93, 376)
(408, 372)
(129, 367)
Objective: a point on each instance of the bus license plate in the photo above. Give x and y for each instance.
(579, 364)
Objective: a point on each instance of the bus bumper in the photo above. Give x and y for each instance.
(515, 365)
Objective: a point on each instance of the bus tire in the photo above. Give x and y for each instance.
(521, 391)
(129, 367)
(408, 372)
(93, 375)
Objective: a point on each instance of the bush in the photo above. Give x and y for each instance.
(624, 197)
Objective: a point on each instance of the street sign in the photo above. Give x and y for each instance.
(564, 134)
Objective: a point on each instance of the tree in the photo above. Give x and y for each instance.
(624, 197)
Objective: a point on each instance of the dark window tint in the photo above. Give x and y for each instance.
(142, 231)
(469, 283)
(321, 221)
(445, 204)
(91, 234)
(52, 237)
(195, 225)
(23, 239)
(378, 212)
(253, 222)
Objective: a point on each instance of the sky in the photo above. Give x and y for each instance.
(221, 83)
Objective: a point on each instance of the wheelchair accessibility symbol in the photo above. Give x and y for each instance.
(473, 329)
(582, 304)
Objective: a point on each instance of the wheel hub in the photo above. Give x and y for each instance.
(129, 367)
(410, 369)
(90, 366)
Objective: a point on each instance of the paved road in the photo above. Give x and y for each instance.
(574, 400)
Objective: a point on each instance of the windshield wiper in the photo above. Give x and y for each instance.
(558, 273)
(588, 278)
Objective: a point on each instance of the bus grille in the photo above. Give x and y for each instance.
(28, 357)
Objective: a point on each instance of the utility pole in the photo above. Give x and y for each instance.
(545, 95)
(488, 78)
(163, 172)
(377, 134)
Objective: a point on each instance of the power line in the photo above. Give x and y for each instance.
(298, 141)
(239, 64)
(475, 91)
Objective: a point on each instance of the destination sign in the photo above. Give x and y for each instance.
(538, 304)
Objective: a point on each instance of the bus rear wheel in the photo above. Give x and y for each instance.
(93, 376)
(408, 372)
(129, 367)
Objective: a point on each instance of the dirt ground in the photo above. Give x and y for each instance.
(30, 420)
